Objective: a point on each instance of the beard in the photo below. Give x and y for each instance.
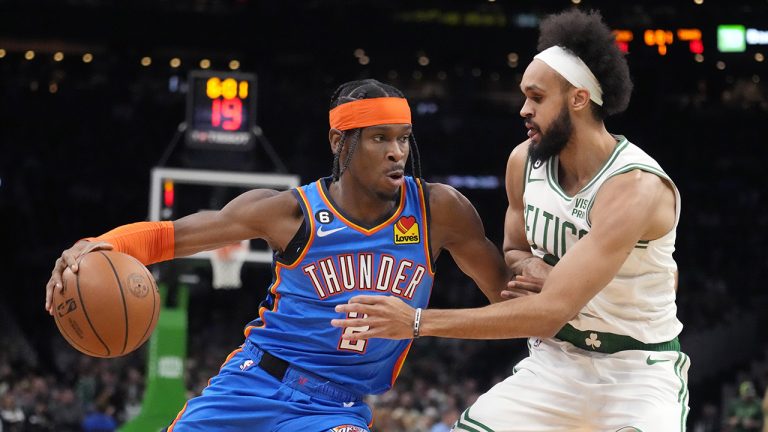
(554, 141)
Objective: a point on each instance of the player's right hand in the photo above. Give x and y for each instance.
(69, 259)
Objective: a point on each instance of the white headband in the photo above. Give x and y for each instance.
(573, 69)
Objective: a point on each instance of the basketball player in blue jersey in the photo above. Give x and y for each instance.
(368, 228)
(593, 218)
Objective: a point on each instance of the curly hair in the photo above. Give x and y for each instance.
(587, 36)
(365, 89)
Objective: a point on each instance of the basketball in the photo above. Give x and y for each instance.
(109, 307)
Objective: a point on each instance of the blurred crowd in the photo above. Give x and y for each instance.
(82, 394)
(79, 393)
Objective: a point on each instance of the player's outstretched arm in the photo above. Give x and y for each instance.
(260, 213)
(629, 207)
(247, 216)
(457, 228)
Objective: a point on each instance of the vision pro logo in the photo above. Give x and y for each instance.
(406, 230)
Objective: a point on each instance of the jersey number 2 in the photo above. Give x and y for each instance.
(358, 345)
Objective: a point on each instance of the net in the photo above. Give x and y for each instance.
(227, 264)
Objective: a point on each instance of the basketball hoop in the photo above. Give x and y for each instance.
(227, 264)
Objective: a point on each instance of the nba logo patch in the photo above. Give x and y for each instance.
(246, 364)
(348, 428)
(406, 230)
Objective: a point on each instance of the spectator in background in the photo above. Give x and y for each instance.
(448, 418)
(40, 419)
(85, 387)
(745, 412)
(11, 415)
(66, 411)
(709, 420)
(133, 392)
(101, 419)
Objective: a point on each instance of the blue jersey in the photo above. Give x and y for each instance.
(338, 260)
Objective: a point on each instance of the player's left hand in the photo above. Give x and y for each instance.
(382, 317)
(522, 286)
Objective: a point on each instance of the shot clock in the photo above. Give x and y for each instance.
(221, 110)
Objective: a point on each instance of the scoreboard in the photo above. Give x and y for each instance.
(221, 110)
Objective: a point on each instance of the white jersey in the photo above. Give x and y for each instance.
(568, 383)
(640, 301)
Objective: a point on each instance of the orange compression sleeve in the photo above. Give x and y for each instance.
(148, 242)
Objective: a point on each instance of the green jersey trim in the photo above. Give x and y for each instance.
(526, 173)
(551, 171)
(623, 170)
(470, 424)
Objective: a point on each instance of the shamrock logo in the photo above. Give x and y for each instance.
(593, 341)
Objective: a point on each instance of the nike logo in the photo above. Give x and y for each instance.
(321, 233)
(348, 404)
(649, 361)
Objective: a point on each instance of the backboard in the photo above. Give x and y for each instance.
(178, 192)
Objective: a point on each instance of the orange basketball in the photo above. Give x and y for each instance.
(109, 307)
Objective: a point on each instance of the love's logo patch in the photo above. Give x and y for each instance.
(406, 230)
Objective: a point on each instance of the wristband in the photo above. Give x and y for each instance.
(149, 242)
(416, 323)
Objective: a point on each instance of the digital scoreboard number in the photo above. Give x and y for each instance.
(221, 110)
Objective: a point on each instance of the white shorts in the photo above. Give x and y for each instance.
(560, 388)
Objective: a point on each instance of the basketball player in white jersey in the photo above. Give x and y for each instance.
(591, 217)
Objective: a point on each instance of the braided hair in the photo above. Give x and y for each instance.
(365, 89)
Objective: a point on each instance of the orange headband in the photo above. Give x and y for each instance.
(370, 112)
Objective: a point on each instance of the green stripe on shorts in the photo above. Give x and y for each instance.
(682, 395)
